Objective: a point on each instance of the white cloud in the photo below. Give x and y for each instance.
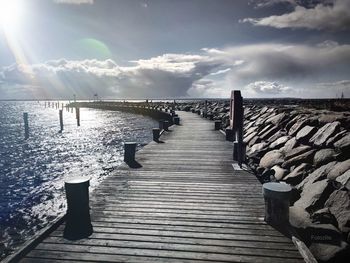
(323, 16)
(266, 88)
(222, 71)
(256, 69)
(74, 2)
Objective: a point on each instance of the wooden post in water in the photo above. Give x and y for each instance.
(78, 221)
(26, 125)
(77, 115)
(61, 119)
(129, 152)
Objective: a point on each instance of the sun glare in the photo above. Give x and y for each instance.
(10, 14)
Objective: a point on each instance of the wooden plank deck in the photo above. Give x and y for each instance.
(186, 204)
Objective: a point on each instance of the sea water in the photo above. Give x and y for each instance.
(32, 171)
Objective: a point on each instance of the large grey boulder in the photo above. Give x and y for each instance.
(343, 143)
(256, 149)
(339, 169)
(339, 205)
(317, 175)
(324, 156)
(279, 142)
(344, 180)
(315, 195)
(249, 137)
(297, 151)
(271, 158)
(297, 174)
(330, 142)
(269, 132)
(277, 118)
(326, 242)
(296, 127)
(289, 145)
(324, 133)
(306, 157)
(305, 134)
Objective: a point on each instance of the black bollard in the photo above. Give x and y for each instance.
(276, 196)
(166, 125)
(61, 119)
(161, 124)
(129, 152)
(176, 120)
(78, 221)
(156, 134)
(229, 134)
(217, 125)
(26, 125)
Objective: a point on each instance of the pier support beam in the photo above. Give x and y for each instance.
(78, 221)
(276, 197)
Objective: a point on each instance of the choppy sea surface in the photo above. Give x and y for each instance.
(32, 171)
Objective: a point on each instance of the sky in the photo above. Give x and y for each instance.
(53, 49)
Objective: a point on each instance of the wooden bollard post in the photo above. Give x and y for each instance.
(217, 125)
(276, 196)
(129, 152)
(166, 109)
(61, 119)
(176, 120)
(78, 221)
(77, 115)
(156, 134)
(166, 125)
(229, 134)
(26, 125)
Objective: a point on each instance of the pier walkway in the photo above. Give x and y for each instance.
(185, 204)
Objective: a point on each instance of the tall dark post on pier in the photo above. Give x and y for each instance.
(236, 123)
(26, 125)
(61, 119)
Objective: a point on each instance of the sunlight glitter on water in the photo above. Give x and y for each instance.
(32, 171)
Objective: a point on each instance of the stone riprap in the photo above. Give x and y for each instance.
(309, 149)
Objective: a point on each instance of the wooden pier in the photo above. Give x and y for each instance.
(185, 204)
